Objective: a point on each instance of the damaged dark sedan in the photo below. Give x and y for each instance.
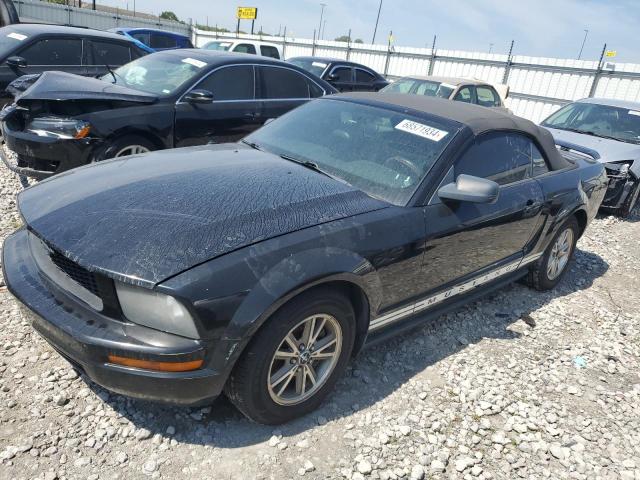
(259, 268)
(164, 100)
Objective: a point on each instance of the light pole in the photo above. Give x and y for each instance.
(321, 14)
(584, 40)
(375, 29)
(490, 47)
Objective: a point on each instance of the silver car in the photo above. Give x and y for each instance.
(609, 131)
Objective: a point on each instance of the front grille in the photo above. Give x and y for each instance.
(81, 275)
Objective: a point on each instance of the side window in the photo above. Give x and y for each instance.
(230, 83)
(463, 95)
(343, 74)
(142, 37)
(502, 157)
(539, 165)
(362, 76)
(283, 83)
(108, 53)
(159, 40)
(245, 48)
(487, 97)
(269, 51)
(54, 51)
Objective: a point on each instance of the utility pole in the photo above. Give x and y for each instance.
(584, 40)
(375, 29)
(322, 5)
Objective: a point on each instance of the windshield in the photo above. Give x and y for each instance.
(384, 153)
(158, 73)
(9, 40)
(420, 87)
(222, 46)
(617, 123)
(311, 66)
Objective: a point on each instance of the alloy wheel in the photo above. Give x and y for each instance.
(560, 253)
(304, 360)
(132, 150)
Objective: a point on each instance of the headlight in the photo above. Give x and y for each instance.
(155, 310)
(59, 127)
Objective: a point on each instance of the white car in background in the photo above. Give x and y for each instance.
(468, 90)
(254, 47)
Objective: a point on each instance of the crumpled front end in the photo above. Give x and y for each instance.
(621, 183)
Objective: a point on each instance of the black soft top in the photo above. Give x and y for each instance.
(478, 119)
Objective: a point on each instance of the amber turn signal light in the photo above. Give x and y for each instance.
(157, 366)
(83, 132)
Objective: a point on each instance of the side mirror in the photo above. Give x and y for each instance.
(17, 62)
(470, 189)
(332, 78)
(199, 96)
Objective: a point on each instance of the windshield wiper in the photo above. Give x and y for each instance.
(590, 132)
(311, 166)
(113, 74)
(252, 145)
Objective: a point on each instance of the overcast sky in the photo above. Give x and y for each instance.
(550, 28)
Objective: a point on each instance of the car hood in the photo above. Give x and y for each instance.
(609, 150)
(67, 86)
(145, 218)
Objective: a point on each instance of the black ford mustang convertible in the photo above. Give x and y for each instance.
(259, 268)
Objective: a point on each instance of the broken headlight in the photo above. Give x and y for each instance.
(64, 128)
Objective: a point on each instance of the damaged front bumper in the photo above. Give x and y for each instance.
(40, 157)
(621, 184)
(87, 338)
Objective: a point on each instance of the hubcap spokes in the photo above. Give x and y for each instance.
(560, 253)
(305, 359)
(132, 150)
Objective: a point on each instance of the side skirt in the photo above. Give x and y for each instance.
(418, 319)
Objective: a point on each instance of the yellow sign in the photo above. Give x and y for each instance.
(247, 13)
(610, 53)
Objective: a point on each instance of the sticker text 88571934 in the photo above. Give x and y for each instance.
(425, 131)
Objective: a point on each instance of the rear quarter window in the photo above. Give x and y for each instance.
(269, 51)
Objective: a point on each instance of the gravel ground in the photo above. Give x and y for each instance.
(519, 385)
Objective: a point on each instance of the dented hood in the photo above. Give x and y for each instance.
(143, 219)
(67, 86)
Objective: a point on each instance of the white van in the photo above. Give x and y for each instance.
(255, 47)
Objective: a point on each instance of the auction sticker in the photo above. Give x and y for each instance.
(194, 62)
(425, 131)
(17, 36)
(319, 64)
(634, 112)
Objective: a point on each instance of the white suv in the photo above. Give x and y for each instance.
(245, 46)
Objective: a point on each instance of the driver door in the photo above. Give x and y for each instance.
(233, 114)
(464, 237)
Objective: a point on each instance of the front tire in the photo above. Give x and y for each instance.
(295, 359)
(124, 146)
(551, 267)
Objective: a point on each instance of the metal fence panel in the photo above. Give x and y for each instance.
(61, 14)
(538, 85)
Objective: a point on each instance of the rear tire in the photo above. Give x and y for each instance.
(268, 383)
(549, 269)
(627, 207)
